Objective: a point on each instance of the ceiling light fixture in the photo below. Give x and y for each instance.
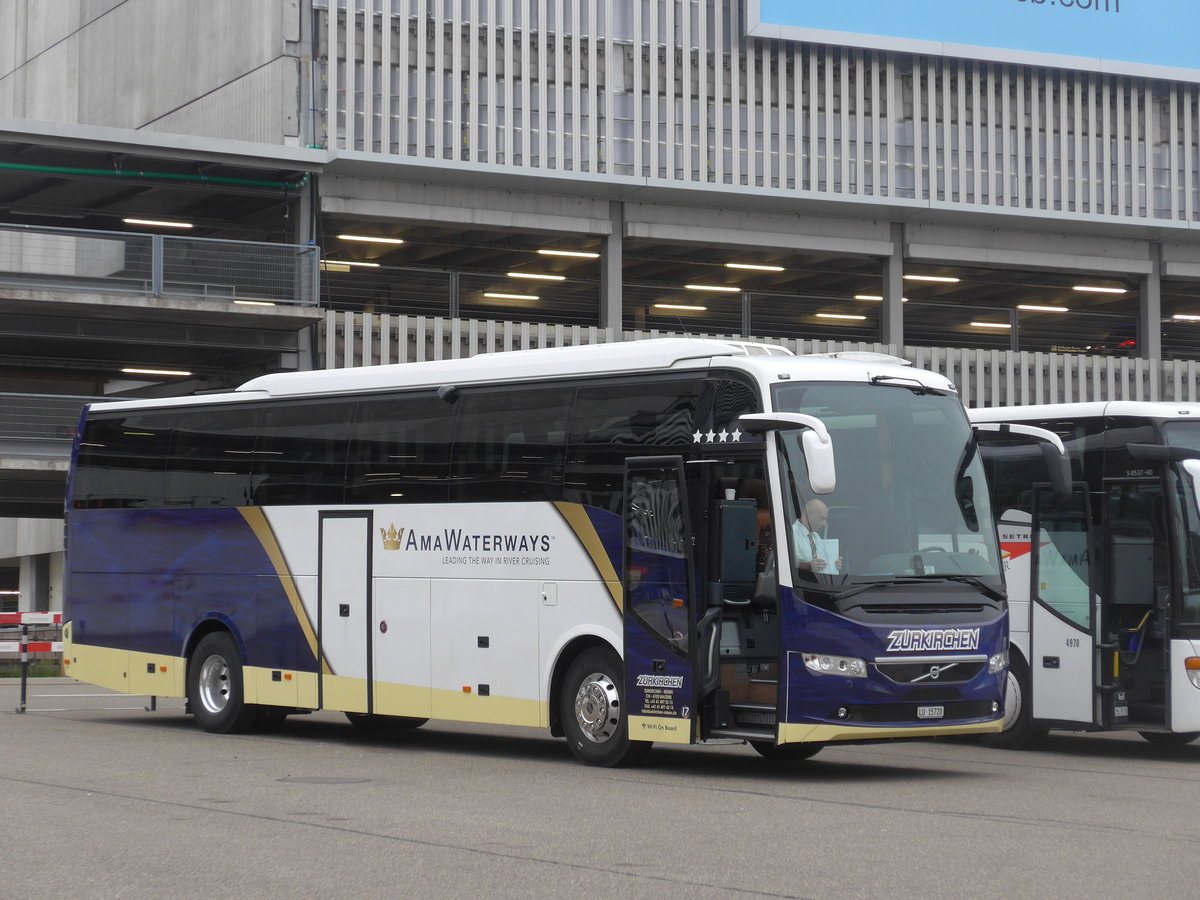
(133, 371)
(722, 288)
(1034, 308)
(939, 278)
(990, 325)
(753, 267)
(349, 262)
(370, 239)
(254, 302)
(1093, 289)
(158, 223)
(578, 254)
(495, 295)
(840, 316)
(1181, 317)
(875, 297)
(537, 275)
(680, 306)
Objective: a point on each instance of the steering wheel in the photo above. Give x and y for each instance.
(933, 550)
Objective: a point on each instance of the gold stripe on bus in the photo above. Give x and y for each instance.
(262, 529)
(576, 516)
(798, 734)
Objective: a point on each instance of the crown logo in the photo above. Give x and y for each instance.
(392, 537)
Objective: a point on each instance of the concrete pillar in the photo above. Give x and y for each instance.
(35, 583)
(891, 313)
(1149, 339)
(611, 283)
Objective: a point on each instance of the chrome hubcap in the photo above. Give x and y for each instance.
(214, 684)
(598, 708)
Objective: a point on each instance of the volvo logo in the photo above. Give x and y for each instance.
(934, 672)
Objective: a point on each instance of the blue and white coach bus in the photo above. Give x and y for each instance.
(604, 541)
(1105, 601)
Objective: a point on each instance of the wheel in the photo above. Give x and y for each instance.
(374, 724)
(1170, 738)
(214, 687)
(1019, 731)
(593, 711)
(786, 752)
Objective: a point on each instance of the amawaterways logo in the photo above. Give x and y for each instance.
(914, 640)
(456, 542)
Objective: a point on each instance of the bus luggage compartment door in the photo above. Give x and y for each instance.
(344, 609)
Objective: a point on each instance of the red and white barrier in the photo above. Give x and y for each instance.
(31, 647)
(31, 618)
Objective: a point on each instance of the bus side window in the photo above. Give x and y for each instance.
(300, 455)
(122, 463)
(612, 422)
(211, 457)
(509, 444)
(400, 451)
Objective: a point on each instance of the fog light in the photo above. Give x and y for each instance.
(843, 713)
(995, 707)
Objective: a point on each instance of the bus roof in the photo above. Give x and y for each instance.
(1089, 410)
(766, 361)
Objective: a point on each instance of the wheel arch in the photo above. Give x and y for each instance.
(210, 625)
(566, 656)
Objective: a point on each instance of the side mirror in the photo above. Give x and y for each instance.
(816, 443)
(1058, 464)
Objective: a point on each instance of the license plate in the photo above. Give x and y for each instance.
(931, 712)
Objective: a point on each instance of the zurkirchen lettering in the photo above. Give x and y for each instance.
(908, 640)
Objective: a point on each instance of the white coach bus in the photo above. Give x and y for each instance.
(603, 541)
(1104, 583)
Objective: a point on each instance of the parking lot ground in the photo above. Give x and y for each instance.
(105, 799)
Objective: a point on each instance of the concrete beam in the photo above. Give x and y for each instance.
(739, 228)
(1027, 250)
(448, 204)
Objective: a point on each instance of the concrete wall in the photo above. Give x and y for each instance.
(222, 68)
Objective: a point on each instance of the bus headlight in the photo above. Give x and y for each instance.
(849, 666)
(997, 662)
(1192, 665)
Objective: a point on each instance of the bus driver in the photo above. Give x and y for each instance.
(808, 539)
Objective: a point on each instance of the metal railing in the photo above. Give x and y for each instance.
(41, 418)
(983, 377)
(70, 259)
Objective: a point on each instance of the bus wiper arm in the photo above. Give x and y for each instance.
(973, 580)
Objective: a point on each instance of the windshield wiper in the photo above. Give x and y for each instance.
(973, 580)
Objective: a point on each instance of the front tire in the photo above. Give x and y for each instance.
(214, 687)
(1170, 738)
(786, 753)
(592, 705)
(1019, 731)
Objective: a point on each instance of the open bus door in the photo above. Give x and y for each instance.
(668, 648)
(1068, 682)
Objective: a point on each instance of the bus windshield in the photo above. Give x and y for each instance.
(911, 499)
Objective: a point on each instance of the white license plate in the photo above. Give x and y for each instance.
(931, 712)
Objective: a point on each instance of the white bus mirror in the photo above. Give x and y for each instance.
(816, 442)
(1192, 467)
(1058, 463)
(818, 457)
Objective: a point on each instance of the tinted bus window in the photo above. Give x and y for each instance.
(212, 452)
(400, 452)
(300, 456)
(122, 462)
(612, 422)
(509, 445)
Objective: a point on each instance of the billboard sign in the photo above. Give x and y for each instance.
(1150, 38)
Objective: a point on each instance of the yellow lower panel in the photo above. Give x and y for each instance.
(402, 700)
(461, 707)
(344, 693)
(790, 734)
(661, 729)
(298, 689)
(127, 671)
